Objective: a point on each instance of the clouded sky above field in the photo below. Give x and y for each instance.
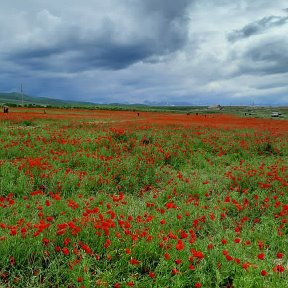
(144, 51)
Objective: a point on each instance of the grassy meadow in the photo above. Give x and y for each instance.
(119, 199)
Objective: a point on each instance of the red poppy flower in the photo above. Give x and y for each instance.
(12, 261)
(191, 267)
(45, 241)
(134, 261)
(174, 271)
(152, 275)
(245, 265)
(261, 256)
(280, 255)
(279, 268)
(224, 241)
(107, 243)
(229, 258)
(180, 245)
(210, 246)
(178, 261)
(65, 251)
(264, 273)
(167, 256)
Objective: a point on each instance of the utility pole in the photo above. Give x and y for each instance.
(22, 95)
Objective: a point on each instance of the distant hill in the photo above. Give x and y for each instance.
(16, 99)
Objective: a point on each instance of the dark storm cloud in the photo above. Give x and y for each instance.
(171, 19)
(80, 57)
(266, 58)
(257, 27)
(167, 9)
(71, 50)
(146, 50)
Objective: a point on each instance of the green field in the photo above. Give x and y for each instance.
(141, 202)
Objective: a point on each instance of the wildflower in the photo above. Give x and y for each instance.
(167, 256)
(65, 251)
(45, 241)
(191, 267)
(49, 218)
(237, 230)
(107, 243)
(86, 248)
(13, 232)
(12, 261)
(66, 241)
(210, 246)
(237, 261)
(152, 275)
(229, 258)
(57, 248)
(279, 268)
(4, 275)
(264, 273)
(260, 245)
(79, 279)
(23, 232)
(261, 256)
(174, 271)
(134, 261)
(127, 251)
(170, 205)
(245, 266)
(197, 254)
(279, 255)
(178, 261)
(183, 235)
(180, 245)
(247, 242)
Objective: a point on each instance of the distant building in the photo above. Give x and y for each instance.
(275, 114)
(215, 107)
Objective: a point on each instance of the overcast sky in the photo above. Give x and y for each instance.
(144, 51)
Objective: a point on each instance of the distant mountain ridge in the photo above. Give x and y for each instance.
(16, 98)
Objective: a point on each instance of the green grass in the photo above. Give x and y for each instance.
(92, 206)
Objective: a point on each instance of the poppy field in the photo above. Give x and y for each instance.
(120, 199)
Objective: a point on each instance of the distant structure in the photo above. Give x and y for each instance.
(275, 114)
(216, 107)
(22, 96)
(5, 109)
